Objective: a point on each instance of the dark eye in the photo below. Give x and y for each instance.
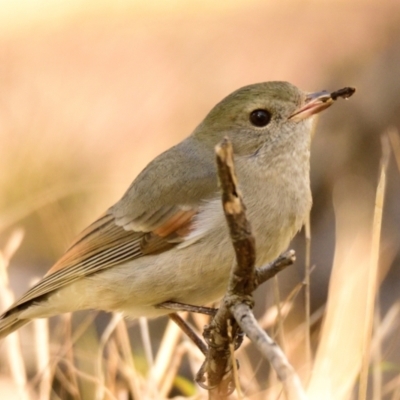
(260, 118)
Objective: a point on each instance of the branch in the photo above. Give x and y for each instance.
(270, 350)
(269, 270)
(237, 303)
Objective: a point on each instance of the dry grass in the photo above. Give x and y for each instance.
(349, 343)
(89, 95)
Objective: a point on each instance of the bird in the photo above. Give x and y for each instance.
(166, 239)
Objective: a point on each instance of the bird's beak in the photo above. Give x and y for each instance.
(316, 102)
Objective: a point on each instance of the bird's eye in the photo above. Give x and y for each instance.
(260, 118)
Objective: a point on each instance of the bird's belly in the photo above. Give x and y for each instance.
(195, 274)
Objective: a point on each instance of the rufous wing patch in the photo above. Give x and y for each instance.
(170, 233)
(96, 240)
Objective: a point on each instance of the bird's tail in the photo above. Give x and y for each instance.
(10, 322)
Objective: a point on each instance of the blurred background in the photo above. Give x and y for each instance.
(91, 91)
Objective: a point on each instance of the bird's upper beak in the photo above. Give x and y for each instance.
(316, 102)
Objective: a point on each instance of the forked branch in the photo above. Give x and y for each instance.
(236, 306)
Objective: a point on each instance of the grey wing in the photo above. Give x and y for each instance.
(177, 180)
(156, 213)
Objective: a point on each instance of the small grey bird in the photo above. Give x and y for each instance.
(167, 239)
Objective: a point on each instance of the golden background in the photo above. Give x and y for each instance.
(91, 91)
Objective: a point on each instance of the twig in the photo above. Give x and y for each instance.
(373, 269)
(41, 338)
(307, 295)
(270, 270)
(100, 383)
(394, 138)
(377, 355)
(90, 378)
(169, 342)
(233, 361)
(189, 332)
(11, 343)
(238, 300)
(183, 348)
(174, 306)
(270, 350)
(242, 278)
(279, 330)
(127, 367)
(146, 341)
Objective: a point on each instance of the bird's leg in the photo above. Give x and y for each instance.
(186, 328)
(174, 306)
